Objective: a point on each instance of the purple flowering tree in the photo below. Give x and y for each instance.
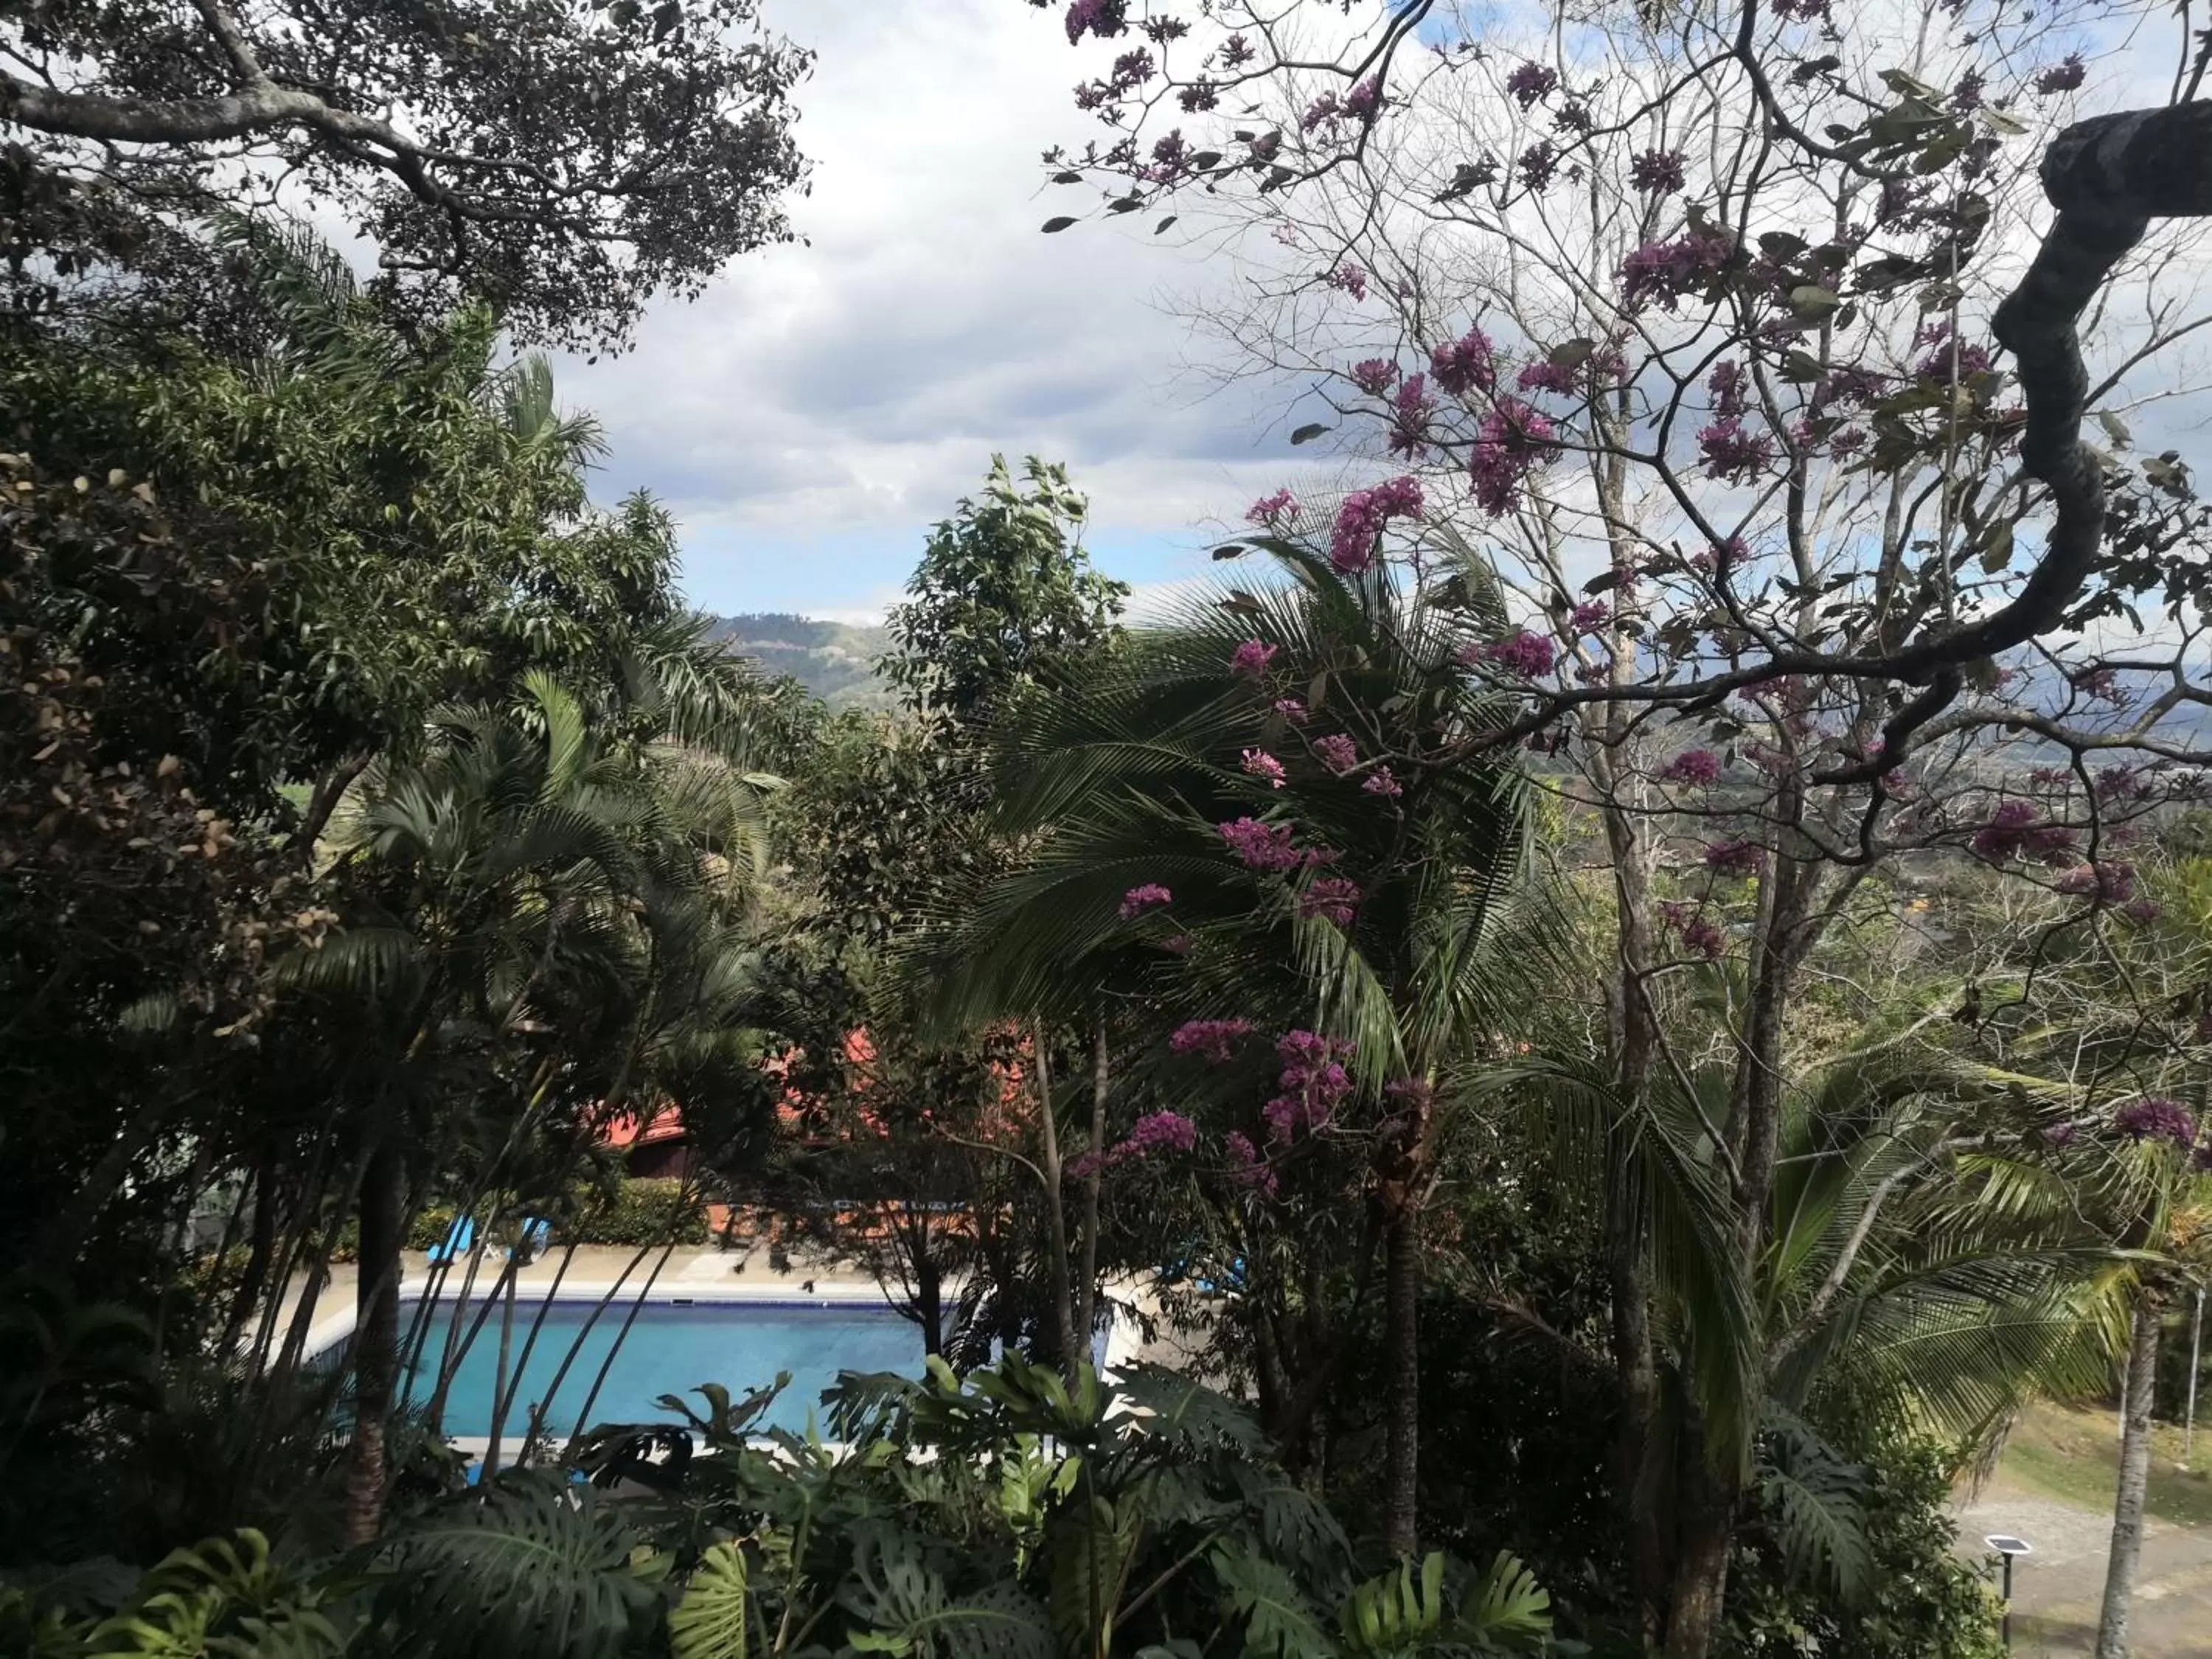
(1345, 922)
(1770, 349)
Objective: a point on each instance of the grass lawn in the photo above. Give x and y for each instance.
(2074, 1453)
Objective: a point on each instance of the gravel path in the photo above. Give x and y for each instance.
(2057, 1590)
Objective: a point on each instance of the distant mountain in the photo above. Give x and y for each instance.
(834, 660)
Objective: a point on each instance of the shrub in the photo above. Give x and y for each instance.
(1922, 1600)
(643, 1211)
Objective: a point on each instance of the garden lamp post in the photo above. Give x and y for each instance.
(2008, 1545)
(2196, 1348)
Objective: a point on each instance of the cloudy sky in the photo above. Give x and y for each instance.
(817, 409)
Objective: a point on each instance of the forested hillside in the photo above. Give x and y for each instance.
(834, 660)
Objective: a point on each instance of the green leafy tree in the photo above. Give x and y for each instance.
(1004, 599)
(565, 162)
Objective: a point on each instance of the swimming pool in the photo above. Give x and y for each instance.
(673, 1347)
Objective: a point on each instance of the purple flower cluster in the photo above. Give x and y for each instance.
(1359, 521)
(1379, 782)
(1337, 751)
(1349, 278)
(2099, 683)
(1662, 272)
(1375, 375)
(2153, 1118)
(1133, 69)
(1735, 858)
(1149, 897)
(1409, 416)
(1269, 511)
(1530, 83)
(1259, 763)
(1246, 1167)
(1465, 364)
(2112, 884)
(1545, 375)
(1732, 453)
(1251, 658)
(1171, 157)
(1100, 17)
(1158, 1132)
(1689, 924)
(2017, 830)
(1589, 616)
(1521, 653)
(1510, 443)
(1216, 1039)
(1261, 846)
(2064, 76)
(1237, 51)
(1943, 356)
(2123, 783)
(1364, 100)
(1538, 164)
(1313, 1082)
(1853, 388)
(1332, 899)
(1699, 766)
(1728, 383)
(1292, 710)
(1966, 95)
(1657, 172)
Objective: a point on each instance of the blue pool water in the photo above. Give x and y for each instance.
(669, 1350)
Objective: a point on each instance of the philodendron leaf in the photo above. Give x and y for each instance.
(709, 1622)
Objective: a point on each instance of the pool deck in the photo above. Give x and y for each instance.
(700, 1274)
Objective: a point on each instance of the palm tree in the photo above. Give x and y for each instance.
(540, 915)
(1389, 908)
(1929, 1257)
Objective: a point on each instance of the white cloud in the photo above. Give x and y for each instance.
(824, 403)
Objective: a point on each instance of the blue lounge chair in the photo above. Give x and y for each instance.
(458, 1237)
(535, 1235)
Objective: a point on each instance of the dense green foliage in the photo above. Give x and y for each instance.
(1006, 1516)
(1610, 1186)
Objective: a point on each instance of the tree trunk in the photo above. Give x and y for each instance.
(1056, 1218)
(929, 1303)
(1086, 1284)
(1401, 1298)
(1639, 1487)
(329, 791)
(1636, 1487)
(260, 1249)
(1704, 1507)
(2135, 1479)
(375, 1340)
(499, 1375)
